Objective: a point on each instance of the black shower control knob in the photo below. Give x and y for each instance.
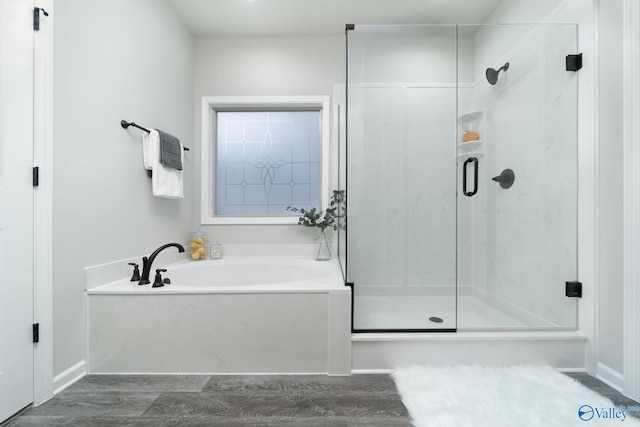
(505, 179)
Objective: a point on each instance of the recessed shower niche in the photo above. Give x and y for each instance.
(471, 132)
(432, 231)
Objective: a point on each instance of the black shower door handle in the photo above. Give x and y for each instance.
(467, 162)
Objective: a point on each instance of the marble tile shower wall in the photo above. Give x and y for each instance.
(374, 232)
(430, 182)
(405, 216)
(528, 233)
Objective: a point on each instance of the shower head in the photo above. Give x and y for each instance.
(492, 75)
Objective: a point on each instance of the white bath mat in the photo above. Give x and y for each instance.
(475, 396)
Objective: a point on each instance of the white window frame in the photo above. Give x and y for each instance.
(207, 173)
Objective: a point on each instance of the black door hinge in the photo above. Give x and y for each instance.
(573, 289)
(574, 62)
(36, 332)
(36, 17)
(36, 176)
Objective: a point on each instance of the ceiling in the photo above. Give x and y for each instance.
(210, 18)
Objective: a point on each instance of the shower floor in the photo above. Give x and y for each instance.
(410, 312)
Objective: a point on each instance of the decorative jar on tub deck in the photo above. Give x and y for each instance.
(197, 246)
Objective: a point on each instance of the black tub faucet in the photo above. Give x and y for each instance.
(147, 262)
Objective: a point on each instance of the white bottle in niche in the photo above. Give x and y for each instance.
(215, 251)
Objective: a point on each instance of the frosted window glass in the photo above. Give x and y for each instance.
(266, 161)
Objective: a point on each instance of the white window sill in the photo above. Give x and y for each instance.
(262, 220)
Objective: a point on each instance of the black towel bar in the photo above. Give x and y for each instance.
(126, 124)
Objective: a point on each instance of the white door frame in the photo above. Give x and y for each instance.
(43, 203)
(631, 197)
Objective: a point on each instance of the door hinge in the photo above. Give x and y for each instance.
(574, 62)
(36, 17)
(36, 332)
(573, 289)
(36, 176)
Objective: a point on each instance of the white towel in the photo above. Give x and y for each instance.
(146, 151)
(166, 182)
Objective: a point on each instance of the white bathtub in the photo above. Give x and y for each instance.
(237, 275)
(235, 315)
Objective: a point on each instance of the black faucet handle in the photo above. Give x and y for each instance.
(136, 273)
(157, 282)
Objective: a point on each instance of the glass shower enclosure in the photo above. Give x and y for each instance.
(460, 169)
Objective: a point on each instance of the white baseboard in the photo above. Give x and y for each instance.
(69, 376)
(573, 370)
(372, 371)
(610, 377)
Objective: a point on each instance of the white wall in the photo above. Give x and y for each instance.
(113, 60)
(611, 167)
(263, 66)
(494, 44)
(413, 54)
(522, 11)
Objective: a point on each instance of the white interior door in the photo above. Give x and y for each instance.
(16, 206)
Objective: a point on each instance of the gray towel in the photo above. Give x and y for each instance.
(170, 150)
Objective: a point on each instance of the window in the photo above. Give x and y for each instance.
(261, 155)
(266, 161)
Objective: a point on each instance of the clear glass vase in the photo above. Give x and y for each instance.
(323, 247)
(197, 245)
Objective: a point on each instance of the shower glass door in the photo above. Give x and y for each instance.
(461, 177)
(401, 177)
(517, 235)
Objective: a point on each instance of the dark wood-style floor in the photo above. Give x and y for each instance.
(134, 400)
(202, 400)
